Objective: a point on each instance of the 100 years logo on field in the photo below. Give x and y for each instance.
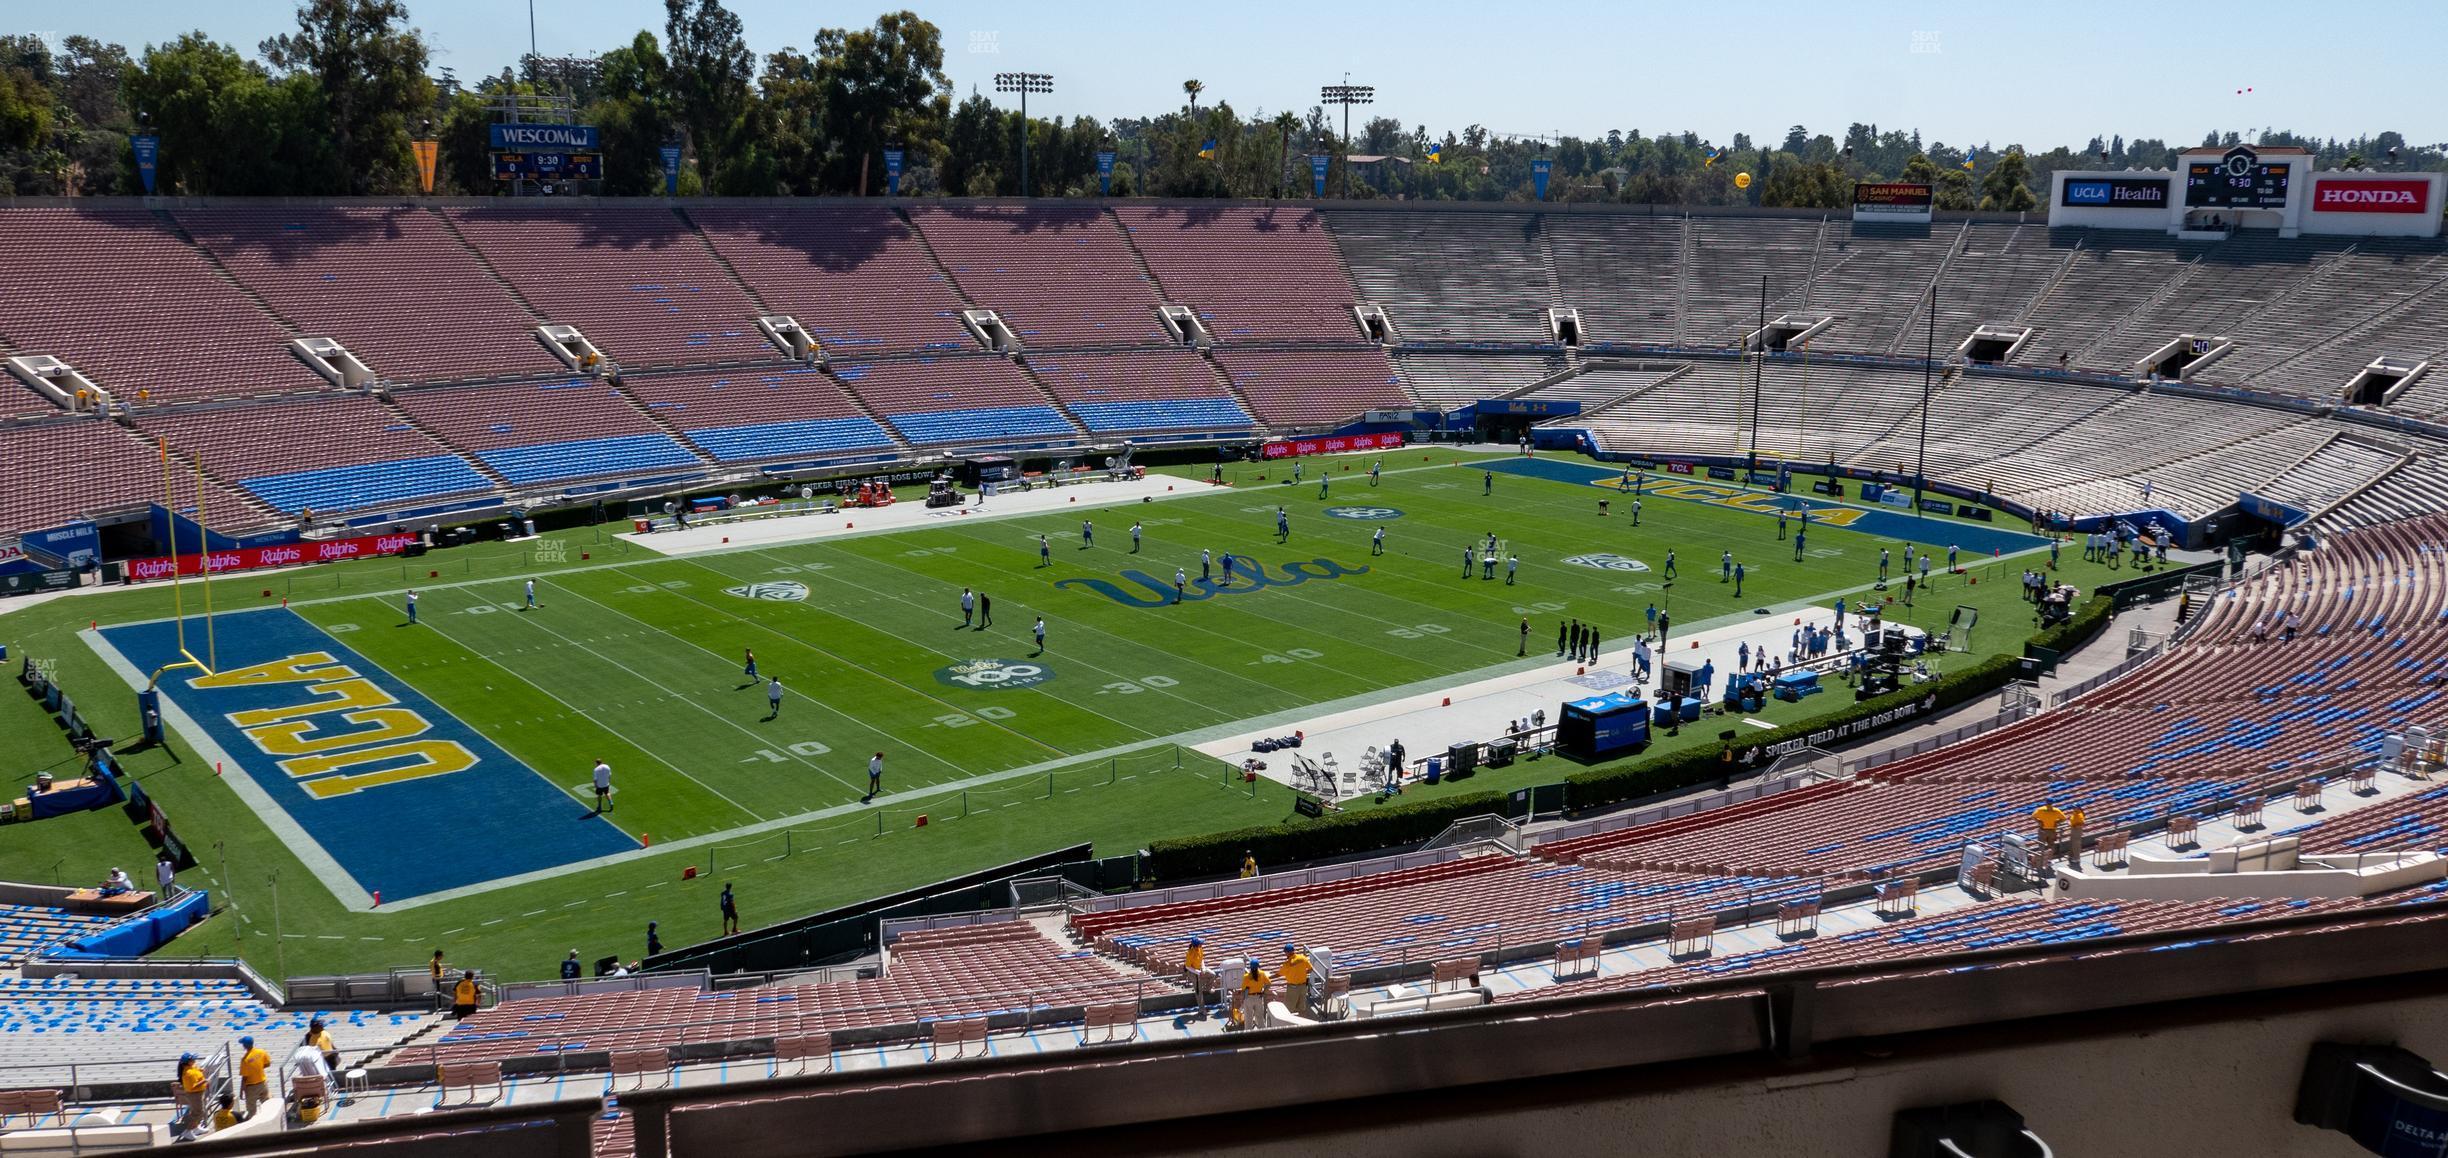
(779, 591)
(1607, 562)
(993, 674)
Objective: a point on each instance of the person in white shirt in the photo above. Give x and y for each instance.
(603, 787)
(165, 874)
(531, 595)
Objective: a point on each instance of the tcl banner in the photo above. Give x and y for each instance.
(2335, 195)
(1335, 445)
(281, 555)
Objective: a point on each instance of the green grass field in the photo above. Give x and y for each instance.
(636, 659)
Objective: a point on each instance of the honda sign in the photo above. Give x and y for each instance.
(2359, 195)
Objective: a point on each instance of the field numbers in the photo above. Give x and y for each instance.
(488, 608)
(925, 552)
(651, 588)
(1419, 631)
(801, 568)
(337, 628)
(1134, 687)
(1542, 607)
(804, 749)
(964, 719)
(1640, 589)
(1292, 655)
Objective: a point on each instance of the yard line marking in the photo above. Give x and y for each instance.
(575, 709)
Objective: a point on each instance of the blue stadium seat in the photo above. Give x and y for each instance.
(1171, 414)
(983, 424)
(587, 458)
(368, 484)
(807, 438)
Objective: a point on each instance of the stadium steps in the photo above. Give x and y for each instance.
(1051, 399)
(1130, 245)
(1911, 414)
(396, 1052)
(1683, 265)
(212, 261)
(935, 259)
(535, 317)
(1916, 319)
(900, 442)
(392, 407)
(1547, 262)
(1224, 381)
(746, 290)
(2284, 300)
(1628, 399)
(2431, 297)
(2022, 317)
(2119, 333)
(679, 437)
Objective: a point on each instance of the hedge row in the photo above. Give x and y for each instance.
(2078, 628)
(1679, 770)
(1337, 834)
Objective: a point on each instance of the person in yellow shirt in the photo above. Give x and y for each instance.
(2074, 831)
(1249, 866)
(1296, 969)
(321, 1039)
(2045, 819)
(1202, 979)
(254, 1076)
(434, 967)
(464, 996)
(1251, 995)
(224, 1116)
(191, 1085)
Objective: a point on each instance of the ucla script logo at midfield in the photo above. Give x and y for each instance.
(1248, 575)
(993, 674)
(780, 591)
(1607, 562)
(1362, 513)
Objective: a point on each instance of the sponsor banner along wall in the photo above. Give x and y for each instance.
(1336, 444)
(277, 555)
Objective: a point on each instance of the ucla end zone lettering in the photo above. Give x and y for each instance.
(401, 795)
(1884, 524)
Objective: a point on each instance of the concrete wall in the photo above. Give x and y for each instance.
(2204, 1082)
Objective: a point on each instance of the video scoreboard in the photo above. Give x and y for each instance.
(547, 166)
(2238, 180)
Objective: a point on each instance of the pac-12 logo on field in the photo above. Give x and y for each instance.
(1362, 513)
(1607, 562)
(779, 591)
(993, 674)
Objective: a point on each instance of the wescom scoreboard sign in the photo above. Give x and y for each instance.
(1892, 201)
(545, 152)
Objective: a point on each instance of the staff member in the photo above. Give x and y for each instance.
(1202, 979)
(1251, 995)
(190, 1095)
(254, 1070)
(1296, 969)
(464, 996)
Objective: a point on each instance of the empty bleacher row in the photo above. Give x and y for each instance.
(26, 930)
(1451, 277)
(941, 974)
(759, 413)
(1254, 275)
(125, 1030)
(2418, 487)
(340, 453)
(1166, 389)
(1452, 380)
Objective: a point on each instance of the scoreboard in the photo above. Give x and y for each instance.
(547, 166)
(2238, 180)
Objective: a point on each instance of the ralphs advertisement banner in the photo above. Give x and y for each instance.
(280, 555)
(1335, 445)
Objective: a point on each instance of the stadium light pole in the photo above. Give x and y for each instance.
(1347, 94)
(1024, 83)
(1929, 363)
(1759, 367)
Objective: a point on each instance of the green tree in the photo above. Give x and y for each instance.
(632, 112)
(2007, 187)
(1192, 88)
(194, 88)
(708, 69)
(369, 67)
(1919, 171)
(878, 85)
(1285, 124)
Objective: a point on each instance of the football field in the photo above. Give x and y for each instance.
(445, 764)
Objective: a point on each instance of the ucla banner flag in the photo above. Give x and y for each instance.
(671, 170)
(1105, 160)
(1538, 178)
(1436, 154)
(1317, 174)
(148, 154)
(892, 172)
(1207, 151)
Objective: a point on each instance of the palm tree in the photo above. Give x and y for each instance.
(1286, 124)
(1194, 88)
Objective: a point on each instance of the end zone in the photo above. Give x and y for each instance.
(372, 783)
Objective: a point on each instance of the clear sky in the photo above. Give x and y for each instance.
(2039, 75)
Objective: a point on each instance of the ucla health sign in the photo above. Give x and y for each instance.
(2115, 193)
(545, 138)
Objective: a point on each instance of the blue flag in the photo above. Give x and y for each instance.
(148, 154)
(1538, 178)
(892, 172)
(1105, 160)
(671, 170)
(1317, 174)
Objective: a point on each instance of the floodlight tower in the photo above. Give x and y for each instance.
(1347, 94)
(1024, 83)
